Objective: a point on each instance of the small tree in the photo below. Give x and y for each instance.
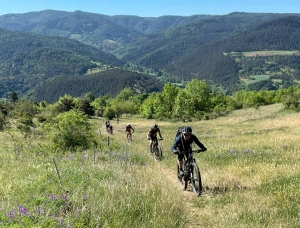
(70, 130)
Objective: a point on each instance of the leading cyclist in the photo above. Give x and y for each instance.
(183, 143)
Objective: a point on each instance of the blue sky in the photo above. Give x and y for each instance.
(153, 8)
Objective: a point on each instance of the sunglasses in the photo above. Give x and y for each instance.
(187, 134)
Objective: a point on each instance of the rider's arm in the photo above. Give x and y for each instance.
(196, 140)
(176, 144)
(159, 134)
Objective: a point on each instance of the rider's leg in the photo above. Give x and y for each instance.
(180, 163)
(150, 143)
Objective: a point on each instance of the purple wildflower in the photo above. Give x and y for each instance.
(11, 214)
(22, 210)
(52, 197)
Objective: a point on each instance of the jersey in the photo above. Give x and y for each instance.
(129, 129)
(153, 131)
(184, 145)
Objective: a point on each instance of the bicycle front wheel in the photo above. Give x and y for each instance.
(158, 153)
(196, 179)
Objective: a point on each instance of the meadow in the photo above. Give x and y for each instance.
(250, 175)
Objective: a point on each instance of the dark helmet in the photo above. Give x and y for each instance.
(155, 125)
(187, 130)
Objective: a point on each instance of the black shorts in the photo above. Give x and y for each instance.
(180, 157)
(151, 137)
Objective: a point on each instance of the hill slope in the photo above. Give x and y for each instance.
(26, 60)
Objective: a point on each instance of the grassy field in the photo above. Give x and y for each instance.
(250, 174)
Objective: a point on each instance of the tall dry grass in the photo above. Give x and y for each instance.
(250, 174)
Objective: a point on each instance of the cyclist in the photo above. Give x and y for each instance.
(183, 143)
(128, 130)
(107, 124)
(152, 133)
(111, 128)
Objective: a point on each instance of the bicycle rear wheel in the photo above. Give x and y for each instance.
(196, 179)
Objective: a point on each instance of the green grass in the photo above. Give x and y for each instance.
(257, 78)
(250, 174)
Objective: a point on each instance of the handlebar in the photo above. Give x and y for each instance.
(188, 151)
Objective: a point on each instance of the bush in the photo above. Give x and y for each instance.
(70, 130)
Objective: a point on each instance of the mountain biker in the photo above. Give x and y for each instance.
(128, 130)
(152, 133)
(183, 143)
(107, 124)
(110, 128)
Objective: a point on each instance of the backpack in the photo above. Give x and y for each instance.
(179, 131)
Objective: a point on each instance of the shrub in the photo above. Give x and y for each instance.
(70, 130)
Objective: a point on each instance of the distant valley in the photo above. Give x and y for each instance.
(38, 48)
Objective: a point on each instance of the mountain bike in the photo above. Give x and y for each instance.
(156, 149)
(191, 172)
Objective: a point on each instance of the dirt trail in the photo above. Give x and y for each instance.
(187, 196)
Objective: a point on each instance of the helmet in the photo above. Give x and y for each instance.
(155, 125)
(128, 124)
(187, 130)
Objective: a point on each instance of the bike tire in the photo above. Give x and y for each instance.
(129, 138)
(158, 153)
(195, 178)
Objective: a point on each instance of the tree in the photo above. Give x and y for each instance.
(193, 101)
(100, 104)
(84, 105)
(166, 101)
(65, 103)
(70, 130)
(13, 97)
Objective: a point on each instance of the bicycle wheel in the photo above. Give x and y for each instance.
(183, 183)
(129, 138)
(196, 179)
(158, 153)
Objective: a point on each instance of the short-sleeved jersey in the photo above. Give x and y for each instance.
(153, 131)
(129, 129)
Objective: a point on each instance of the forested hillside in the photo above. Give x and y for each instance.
(109, 82)
(27, 59)
(172, 48)
(209, 62)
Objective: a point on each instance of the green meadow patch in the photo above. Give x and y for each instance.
(262, 53)
(257, 78)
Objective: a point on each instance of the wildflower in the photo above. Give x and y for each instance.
(52, 197)
(39, 210)
(233, 151)
(22, 210)
(64, 197)
(11, 214)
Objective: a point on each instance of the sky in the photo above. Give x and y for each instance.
(152, 8)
